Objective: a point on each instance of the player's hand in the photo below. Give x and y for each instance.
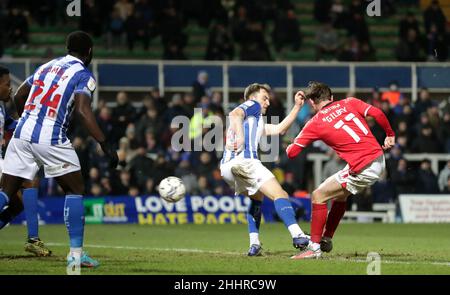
(234, 142)
(299, 98)
(388, 142)
(111, 154)
(293, 150)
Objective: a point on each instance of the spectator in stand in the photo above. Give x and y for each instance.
(254, 46)
(410, 49)
(115, 30)
(357, 6)
(141, 166)
(426, 142)
(409, 22)
(173, 38)
(204, 187)
(122, 115)
(426, 182)
(138, 29)
(445, 132)
(94, 178)
(130, 134)
(17, 28)
(220, 43)
(358, 28)
(125, 181)
(436, 42)
(125, 8)
(200, 86)
(125, 153)
(338, 14)
(150, 188)
(206, 165)
(434, 15)
(403, 178)
(327, 41)
(424, 101)
(105, 122)
(447, 187)
(444, 177)
(173, 51)
(286, 31)
(393, 95)
(158, 100)
(332, 166)
(90, 20)
(351, 50)
(150, 121)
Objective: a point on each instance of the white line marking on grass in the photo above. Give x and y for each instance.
(443, 263)
(152, 249)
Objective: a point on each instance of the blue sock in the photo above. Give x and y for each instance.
(285, 211)
(4, 200)
(254, 216)
(5, 218)
(30, 196)
(74, 219)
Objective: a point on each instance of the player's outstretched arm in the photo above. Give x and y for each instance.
(382, 120)
(283, 126)
(21, 97)
(236, 130)
(83, 109)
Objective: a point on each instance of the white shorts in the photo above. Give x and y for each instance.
(252, 174)
(23, 159)
(356, 183)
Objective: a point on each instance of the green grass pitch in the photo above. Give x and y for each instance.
(221, 249)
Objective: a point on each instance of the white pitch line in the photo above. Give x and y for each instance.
(152, 249)
(443, 263)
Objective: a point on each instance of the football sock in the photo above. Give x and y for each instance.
(4, 200)
(74, 220)
(334, 217)
(286, 213)
(254, 221)
(31, 211)
(318, 220)
(5, 218)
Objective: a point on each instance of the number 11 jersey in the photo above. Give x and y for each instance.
(49, 106)
(341, 125)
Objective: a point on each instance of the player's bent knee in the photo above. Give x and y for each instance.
(317, 197)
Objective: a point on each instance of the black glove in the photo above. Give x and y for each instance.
(111, 154)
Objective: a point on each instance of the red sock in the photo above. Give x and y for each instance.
(334, 217)
(319, 217)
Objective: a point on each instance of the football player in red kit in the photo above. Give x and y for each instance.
(341, 125)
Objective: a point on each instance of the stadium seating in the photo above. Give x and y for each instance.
(48, 41)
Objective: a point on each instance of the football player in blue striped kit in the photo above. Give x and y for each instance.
(30, 193)
(243, 171)
(45, 102)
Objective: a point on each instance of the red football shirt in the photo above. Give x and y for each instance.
(341, 125)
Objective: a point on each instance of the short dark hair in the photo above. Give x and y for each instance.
(3, 71)
(79, 42)
(318, 92)
(255, 87)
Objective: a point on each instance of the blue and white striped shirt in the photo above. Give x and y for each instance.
(7, 123)
(50, 103)
(253, 130)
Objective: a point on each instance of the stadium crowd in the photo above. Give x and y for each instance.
(240, 24)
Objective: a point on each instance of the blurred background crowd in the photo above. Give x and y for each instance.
(260, 30)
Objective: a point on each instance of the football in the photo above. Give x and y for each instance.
(172, 189)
